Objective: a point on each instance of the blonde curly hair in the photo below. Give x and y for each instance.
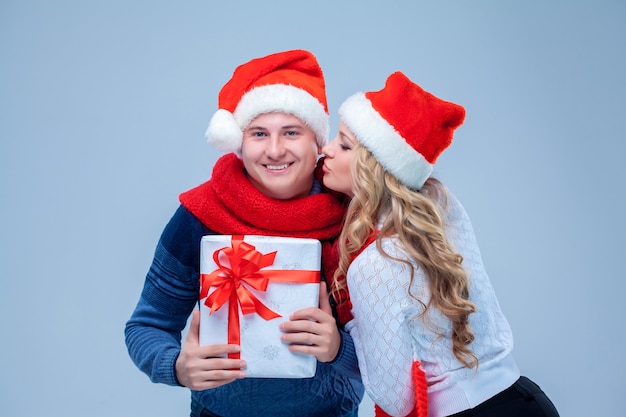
(415, 219)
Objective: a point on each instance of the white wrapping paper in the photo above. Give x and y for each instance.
(265, 354)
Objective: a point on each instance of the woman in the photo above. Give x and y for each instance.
(410, 287)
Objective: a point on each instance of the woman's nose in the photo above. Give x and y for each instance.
(328, 149)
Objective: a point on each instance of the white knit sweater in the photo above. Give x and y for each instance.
(388, 337)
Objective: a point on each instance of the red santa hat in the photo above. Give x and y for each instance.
(290, 82)
(403, 126)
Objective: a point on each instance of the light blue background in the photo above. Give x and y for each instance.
(103, 107)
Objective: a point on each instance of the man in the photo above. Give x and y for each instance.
(273, 118)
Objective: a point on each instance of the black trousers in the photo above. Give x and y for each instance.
(522, 399)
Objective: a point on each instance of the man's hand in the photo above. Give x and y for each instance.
(203, 367)
(313, 330)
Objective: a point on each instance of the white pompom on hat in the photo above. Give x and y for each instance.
(403, 126)
(290, 82)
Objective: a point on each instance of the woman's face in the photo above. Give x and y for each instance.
(339, 155)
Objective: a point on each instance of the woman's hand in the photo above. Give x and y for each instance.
(201, 367)
(313, 330)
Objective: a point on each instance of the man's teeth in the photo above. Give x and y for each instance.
(277, 167)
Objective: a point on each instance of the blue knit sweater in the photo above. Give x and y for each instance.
(153, 338)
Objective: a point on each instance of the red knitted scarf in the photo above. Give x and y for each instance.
(229, 204)
(344, 312)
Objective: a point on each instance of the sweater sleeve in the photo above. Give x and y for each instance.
(379, 294)
(346, 362)
(170, 292)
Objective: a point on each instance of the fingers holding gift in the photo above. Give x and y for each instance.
(198, 372)
(202, 367)
(313, 313)
(320, 339)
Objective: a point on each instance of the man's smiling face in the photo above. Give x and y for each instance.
(279, 153)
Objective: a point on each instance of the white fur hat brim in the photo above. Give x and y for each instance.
(225, 130)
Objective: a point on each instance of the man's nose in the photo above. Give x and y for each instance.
(275, 147)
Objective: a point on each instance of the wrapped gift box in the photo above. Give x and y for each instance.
(249, 286)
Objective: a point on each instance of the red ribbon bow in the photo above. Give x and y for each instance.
(244, 265)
